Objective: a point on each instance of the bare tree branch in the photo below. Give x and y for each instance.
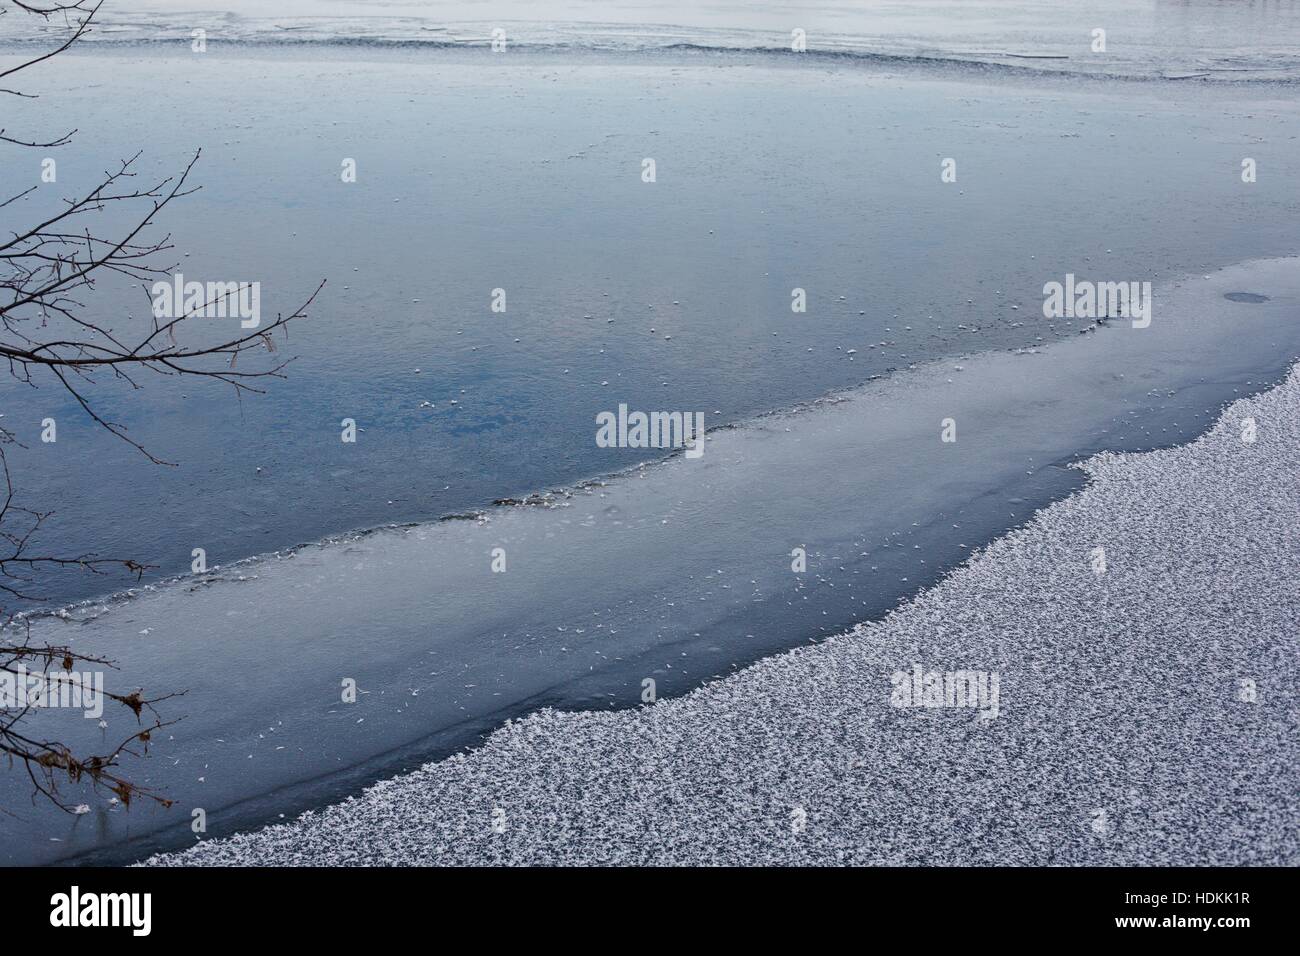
(48, 326)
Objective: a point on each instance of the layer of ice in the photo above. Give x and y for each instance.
(1207, 40)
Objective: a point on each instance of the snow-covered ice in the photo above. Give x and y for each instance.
(1146, 716)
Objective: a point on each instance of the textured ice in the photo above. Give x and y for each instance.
(1146, 715)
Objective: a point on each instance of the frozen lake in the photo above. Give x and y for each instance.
(523, 172)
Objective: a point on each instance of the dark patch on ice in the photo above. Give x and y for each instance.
(1245, 297)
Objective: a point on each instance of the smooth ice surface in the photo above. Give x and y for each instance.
(1146, 713)
(676, 571)
(524, 173)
